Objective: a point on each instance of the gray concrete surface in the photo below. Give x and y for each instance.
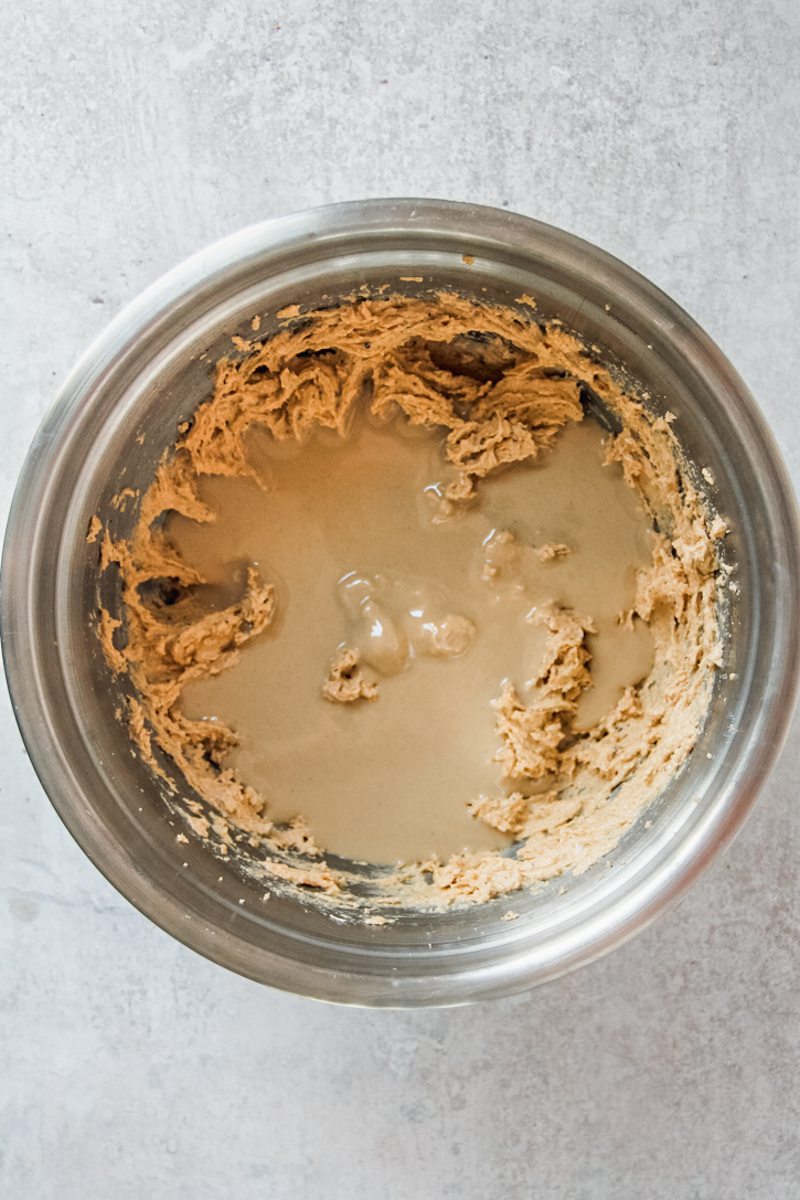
(132, 134)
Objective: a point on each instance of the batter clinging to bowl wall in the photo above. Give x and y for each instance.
(398, 595)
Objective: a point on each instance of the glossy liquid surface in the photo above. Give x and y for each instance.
(351, 532)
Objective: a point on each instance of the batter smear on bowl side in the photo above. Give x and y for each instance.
(420, 585)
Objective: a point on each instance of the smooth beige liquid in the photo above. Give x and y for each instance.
(389, 780)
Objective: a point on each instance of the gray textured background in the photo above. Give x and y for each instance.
(132, 134)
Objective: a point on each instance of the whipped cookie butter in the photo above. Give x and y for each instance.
(420, 585)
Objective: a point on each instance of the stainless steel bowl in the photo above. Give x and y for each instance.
(145, 373)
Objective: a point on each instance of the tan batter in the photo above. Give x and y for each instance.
(461, 629)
